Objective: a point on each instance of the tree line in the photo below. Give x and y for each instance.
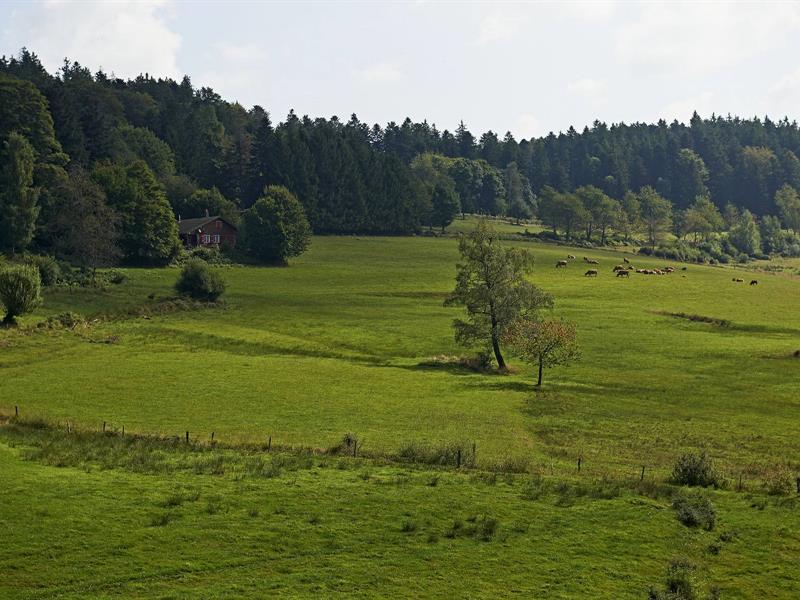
(131, 155)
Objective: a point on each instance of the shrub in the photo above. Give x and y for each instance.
(49, 271)
(197, 280)
(779, 481)
(695, 469)
(679, 583)
(275, 228)
(209, 254)
(65, 320)
(695, 510)
(20, 291)
(115, 277)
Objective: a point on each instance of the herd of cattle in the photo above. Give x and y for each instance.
(624, 270)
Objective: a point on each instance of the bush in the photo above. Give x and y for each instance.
(679, 583)
(66, 320)
(115, 277)
(695, 510)
(695, 469)
(197, 280)
(20, 291)
(49, 271)
(275, 228)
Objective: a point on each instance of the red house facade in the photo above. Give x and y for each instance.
(207, 231)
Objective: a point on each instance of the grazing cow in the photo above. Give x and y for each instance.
(753, 282)
(593, 262)
(738, 280)
(623, 273)
(571, 256)
(561, 263)
(619, 268)
(626, 261)
(669, 269)
(590, 273)
(630, 267)
(586, 258)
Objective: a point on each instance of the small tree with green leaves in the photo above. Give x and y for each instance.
(491, 285)
(543, 343)
(20, 291)
(200, 282)
(275, 228)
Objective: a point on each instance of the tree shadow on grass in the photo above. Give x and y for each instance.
(218, 343)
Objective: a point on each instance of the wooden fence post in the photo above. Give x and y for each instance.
(641, 477)
(212, 436)
(458, 459)
(269, 444)
(104, 426)
(187, 437)
(16, 411)
(580, 458)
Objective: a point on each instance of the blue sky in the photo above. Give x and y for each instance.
(525, 67)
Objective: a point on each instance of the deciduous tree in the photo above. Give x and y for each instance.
(491, 284)
(543, 343)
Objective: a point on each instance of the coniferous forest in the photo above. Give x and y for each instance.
(138, 153)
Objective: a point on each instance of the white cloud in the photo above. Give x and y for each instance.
(699, 37)
(783, 98)
(589, 88)
(126, 37)
(498, 26)
(682, 109)
(527, 126)
(380, 73)
(596, 10)
(237, 72)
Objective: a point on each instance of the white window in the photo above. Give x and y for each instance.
(216, 239)
(206, 238)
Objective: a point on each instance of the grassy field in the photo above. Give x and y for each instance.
(334, 345)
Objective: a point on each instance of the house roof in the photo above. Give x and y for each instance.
(186, 226)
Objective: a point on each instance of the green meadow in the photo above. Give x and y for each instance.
(341, 343)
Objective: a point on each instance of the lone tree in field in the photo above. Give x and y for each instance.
(543, 343)
(275, 228)
(491, 285)
(20, 291)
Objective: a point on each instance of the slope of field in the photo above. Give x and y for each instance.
(334, 343)
(123, 518)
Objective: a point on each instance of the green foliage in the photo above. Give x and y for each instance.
(49, 270)
(18, 197)
(148, 229)
(655, 212)
(695, 510)
(212, 202)
(679, 583)
(491, 285)
(788, 202)
(275, 229)
(20, 291)
(543, 343)
(744, 235)
(695, 470)
(200, 282)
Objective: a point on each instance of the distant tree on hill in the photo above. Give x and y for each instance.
(788, 202)
(745, 235)
(630, 216)
(491, 284)
(543, 343)
(656, 213)
(702, 218)
(275, 228)
(19, 199)
(86, 229)
(444, 205)
(148, 229)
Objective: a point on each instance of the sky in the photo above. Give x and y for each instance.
(529, 68)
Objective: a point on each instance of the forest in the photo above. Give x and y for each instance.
(83, 150)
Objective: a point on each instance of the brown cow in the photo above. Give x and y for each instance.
(561, 263)
(753, 282)
(571, 256)
(593, 262)
(738, 280)
(623, 273)
(590, 273)
(619, 268)
(626, 261)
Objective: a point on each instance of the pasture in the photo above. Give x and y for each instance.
(341, 342)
